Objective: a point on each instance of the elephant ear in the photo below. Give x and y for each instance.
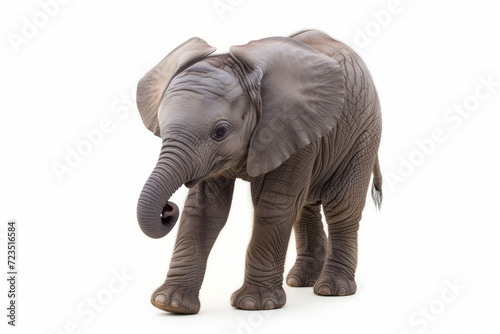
(301, 98)
(152, 86)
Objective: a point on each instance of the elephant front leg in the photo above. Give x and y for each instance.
(205, 214)
(275, 214)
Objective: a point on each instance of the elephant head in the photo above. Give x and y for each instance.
(254, 107)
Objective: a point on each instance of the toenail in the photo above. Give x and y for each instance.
(269, 305)
(292, 281)
(175, 303)
(325, 291)
(341, 292)
(248, 303)
(160, 299)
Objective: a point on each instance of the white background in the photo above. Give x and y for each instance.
(439, 220)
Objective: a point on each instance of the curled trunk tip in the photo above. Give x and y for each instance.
(155, 214)
(157, 226)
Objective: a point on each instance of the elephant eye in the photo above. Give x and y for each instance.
(219, 130)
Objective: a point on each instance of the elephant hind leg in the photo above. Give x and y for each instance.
(343, 208)
(337, 276)
(311, 247)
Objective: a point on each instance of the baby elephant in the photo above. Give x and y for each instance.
(298, 117)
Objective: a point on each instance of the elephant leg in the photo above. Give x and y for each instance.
(310, 242)
(278, 198)
(263, 285)
(343, 206)
(205, 214)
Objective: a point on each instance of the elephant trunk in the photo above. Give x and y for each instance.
(155, 214)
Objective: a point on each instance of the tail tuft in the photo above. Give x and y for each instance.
(377, 185)
(377, 196)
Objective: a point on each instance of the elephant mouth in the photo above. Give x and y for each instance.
(219, 169)
(192, 183)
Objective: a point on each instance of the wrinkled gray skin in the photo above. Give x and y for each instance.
(299, 119)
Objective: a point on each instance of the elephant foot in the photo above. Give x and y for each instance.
(250, 297)
(176, 299)
(334, 284)
(304, 273)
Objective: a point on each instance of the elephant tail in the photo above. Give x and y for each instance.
(377, 185)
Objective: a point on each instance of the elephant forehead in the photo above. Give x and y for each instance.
(188, 109)
(203, 80)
